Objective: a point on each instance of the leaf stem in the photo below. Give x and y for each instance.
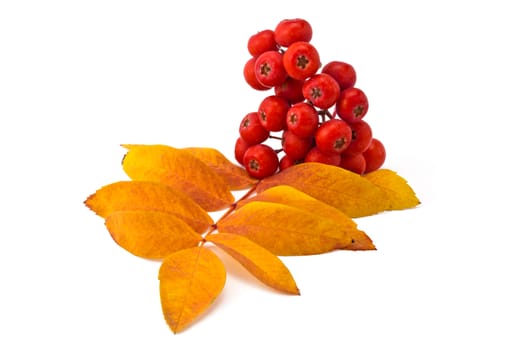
(230, 210)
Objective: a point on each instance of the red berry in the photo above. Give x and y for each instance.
(301, 60)
(249, 76)
(333, 136)
(261, 42)
(251, 129)
(296, 147)
(272, 112)
(361, 137)
(289, 31)
(342, 72)
(354, 162)
(260, 161)
(375, 155)
(302, 119)
(240, 148)
(287, 162)
(316, 155)
(269, 69)
(291, 89)
(321, 90)
(352, 104)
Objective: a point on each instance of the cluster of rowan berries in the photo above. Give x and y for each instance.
(304, 92)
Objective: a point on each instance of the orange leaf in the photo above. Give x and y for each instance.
(293, 197)
(285, 230)
(351, 193)
(400, 195)
(151, 234)
(235, 176)
(265, 266)
(179, 169)
(153, 196)
(190, 280)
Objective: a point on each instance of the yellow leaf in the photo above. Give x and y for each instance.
(293, 197)
(235, 176)
(179, 169)
(265, 266)
(153, 196)
(151, 234)
(190, 280)
(400, 195)
(349, 192)
(285, 230)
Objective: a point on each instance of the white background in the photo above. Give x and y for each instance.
(445, 85)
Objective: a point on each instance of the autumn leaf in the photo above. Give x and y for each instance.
(285, 230)
(152, 196)
(261, 263)
(293, 197)
(189, 281)
(235, 176)
(399, 194)
(179, 169)
(349, 192)
(151, 234)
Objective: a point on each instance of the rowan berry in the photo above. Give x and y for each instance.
(260, 161)
(361, 137)
(287, 161)
(333, 136)
(352, 104)
(240, 148)
(261, 42)
(321, 90)
(354, 162)
(301, 60)
(291, 89)
(251, 129)
(272, 112)
(375, 155)
(296, 147)
(344, 73)
(269, 68)
(302, 119)
(316, 155)
(289, 31)
(250, 78)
